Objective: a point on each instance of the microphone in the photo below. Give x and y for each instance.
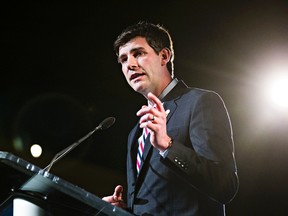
(105, 124)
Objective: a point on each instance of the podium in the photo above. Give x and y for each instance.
(27, 190)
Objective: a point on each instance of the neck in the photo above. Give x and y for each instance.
(164, 90)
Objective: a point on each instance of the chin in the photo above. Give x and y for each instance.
(140, 87)
(137, 86)
(140, 90)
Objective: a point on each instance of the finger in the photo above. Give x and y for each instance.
(118, 189)
(118, 193)
(155, 100)
(147, 117)
(144, 109)
(108, 199)
(147, 110)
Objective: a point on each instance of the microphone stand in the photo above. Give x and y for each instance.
(103, 125)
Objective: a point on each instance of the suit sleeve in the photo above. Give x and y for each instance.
(206, 159)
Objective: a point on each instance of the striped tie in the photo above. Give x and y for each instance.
(141, 142)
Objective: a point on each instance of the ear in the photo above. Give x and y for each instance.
(165, 56)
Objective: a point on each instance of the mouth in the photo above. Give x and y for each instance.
(135, 76)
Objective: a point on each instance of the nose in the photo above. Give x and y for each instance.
(132, 63)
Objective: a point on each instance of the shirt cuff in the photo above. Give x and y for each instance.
(164, 153)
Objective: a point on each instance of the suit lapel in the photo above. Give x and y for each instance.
(170, 108)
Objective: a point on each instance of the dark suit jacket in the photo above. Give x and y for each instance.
(198, 175)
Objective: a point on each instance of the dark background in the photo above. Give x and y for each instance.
(60, 79)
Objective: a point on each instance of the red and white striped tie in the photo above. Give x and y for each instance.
(141, 142)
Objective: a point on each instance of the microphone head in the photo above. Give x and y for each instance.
(106, 123)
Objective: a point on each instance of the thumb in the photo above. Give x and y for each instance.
(118, 192)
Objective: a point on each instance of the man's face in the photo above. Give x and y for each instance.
(141, 66)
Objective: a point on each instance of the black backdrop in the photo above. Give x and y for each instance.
(60, 78)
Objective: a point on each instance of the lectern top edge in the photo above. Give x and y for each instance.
(27, 177)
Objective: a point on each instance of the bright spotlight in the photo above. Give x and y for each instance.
(277, 91)
(36, 150)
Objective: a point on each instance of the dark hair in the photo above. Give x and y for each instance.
(156, 36)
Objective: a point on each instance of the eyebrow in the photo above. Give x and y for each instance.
(131, 51)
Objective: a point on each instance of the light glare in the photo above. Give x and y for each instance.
(278, 91)
(36, 150)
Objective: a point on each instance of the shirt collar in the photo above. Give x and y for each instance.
(168, 88)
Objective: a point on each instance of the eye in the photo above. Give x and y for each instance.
(138, 53)
(122, 59)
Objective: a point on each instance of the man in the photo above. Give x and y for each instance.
(187, 166)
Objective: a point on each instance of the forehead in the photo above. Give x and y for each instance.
(133, 44)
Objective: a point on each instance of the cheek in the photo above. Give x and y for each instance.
(125, 72)
(123, 68)
(148, 63)
(142, 61)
